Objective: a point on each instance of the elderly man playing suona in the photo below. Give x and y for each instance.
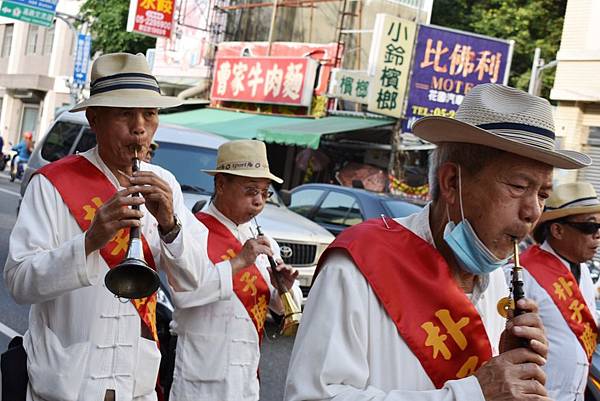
(558, 280)
(406, 309)
(220, 325)
(83, 343)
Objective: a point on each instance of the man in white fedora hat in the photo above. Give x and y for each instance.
(83, 343)
(406, 309)
(558, 280)
(220, 325)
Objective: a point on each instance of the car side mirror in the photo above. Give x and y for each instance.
(198, 206)
(286, 197)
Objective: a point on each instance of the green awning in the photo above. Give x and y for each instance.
(278, 129)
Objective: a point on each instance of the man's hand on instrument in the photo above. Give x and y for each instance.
(112, 216)
(527, 327)
(250, 251)
(287, 274)
(158, 196)
(515, 375)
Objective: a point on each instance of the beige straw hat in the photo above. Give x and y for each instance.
(246, 158)
(124, 80)
(570, 199)
(504, 118)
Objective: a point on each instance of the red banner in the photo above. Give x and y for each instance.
(151, 17)
(273, 80)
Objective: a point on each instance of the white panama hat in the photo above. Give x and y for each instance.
(571, 199)
(504, 118)
(124, 80)
(245, 158)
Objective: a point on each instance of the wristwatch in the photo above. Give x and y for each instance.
(171, 235)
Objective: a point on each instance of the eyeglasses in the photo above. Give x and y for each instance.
(253, 191)
(585, 227)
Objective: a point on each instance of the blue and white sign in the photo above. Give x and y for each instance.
(82, 59)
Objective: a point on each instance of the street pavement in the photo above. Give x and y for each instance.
(13, 318)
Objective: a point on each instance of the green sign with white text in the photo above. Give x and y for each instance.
(26, 13)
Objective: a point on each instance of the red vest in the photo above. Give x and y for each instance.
(558, 281)
(248, 284)
(84, 188)
(415, 287)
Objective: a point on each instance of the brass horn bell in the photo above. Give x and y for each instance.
(133, 278)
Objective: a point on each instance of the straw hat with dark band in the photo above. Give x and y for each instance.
(571, 199)
(124, 80)
(504, 118)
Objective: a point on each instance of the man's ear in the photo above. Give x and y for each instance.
(447, 177)
(557, 230)
(91, 114)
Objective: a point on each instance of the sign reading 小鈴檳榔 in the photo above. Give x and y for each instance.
(389, 64)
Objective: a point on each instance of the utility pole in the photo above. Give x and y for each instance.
(537, 67)
(74, 89)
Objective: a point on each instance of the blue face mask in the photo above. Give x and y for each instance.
(471, 253)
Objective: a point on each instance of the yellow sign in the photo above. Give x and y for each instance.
(390, 59)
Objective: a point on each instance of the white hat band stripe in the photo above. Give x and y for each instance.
(124, 81)
(125, 75)
(527, 138)
(120, 81)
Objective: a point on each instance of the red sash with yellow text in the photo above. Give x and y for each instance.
(414, 285)
(248, 284)
(558, 281)
(84, 188)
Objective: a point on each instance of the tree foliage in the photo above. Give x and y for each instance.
(530, 23)
(107, 21)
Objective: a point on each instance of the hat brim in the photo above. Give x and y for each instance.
(560, 213)
(129, 98)
(437, 130)
(246, 173)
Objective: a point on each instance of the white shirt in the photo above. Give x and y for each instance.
(81, 339)
(348, 348)
(567, 364)
(218, 348)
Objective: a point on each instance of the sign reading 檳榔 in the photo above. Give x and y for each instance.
(350, 85)
(151, 17)
(389, 63)
(272, 80)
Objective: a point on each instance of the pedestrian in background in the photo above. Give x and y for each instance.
(406, 309)
(558, 280)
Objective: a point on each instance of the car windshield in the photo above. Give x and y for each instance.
(186, 163)
(399, 208)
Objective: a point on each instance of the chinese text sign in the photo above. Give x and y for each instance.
(273, 80)
(446, 65)
(392, 49)
(350, 85)
(151, 17)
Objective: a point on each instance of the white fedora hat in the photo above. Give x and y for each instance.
(124, 80)
(570, 199)
(245, 158)
(504, 118)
